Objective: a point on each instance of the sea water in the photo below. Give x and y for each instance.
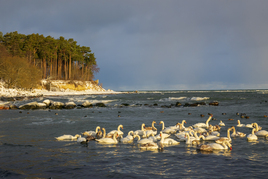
(28, 148)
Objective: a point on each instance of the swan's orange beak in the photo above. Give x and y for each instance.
(185, 122)
(231, 148)
(160, 134)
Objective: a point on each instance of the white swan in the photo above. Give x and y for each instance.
(209, 137)
(181, 135)
(149, 146)
(143, 141)
(150, 132)
(151, 128)
(236, 133)
(109, 140)
(221, 123)
(260, 133)
(191, 139)
(128, 139)
(239, 124)
(163, 134)
(249, 125)
(168, 130)
(93, 133)
(200, 130)
(81, 139)
(222, 139)
(68, 137)
(140, 132)
(167, 141)
(204, 125)
(215, 146)
(252, 136)
(119, 132)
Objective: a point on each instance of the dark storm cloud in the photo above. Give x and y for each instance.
(155, 44)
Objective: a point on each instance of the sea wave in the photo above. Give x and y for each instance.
(199, 98)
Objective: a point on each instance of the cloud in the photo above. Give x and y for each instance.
(157, 44)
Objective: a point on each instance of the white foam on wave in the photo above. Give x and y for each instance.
(199, 98)
(173, 98)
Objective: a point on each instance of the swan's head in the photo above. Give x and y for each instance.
(85, 133)
(154, 122)
(77, 135)
(161, 122)
(120, 126)
(183, 121)
(98, 127)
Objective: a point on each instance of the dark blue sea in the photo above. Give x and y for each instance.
(28, 148)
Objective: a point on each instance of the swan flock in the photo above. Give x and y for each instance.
(202, 136)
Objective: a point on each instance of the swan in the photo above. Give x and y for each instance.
(214, 128)
(167, 141)
(237, 134)
(81, 139)
(109, 140)
(204, 125)
(150, 146)
(260, 133)
(153, 137)
(140, 132)
(200, 130)
(249, 125)
(87, 135)
(167, 130)
(68, 137)
(190, 139)
(119, 132)
(209, 137)
(214, 146)
(239, 124)
(128, 139)
(228, 138)
(150, 132)
(252, 136)
(143, 141)
(163, 134)
(221, 123)
(93, 133)
(151, 128)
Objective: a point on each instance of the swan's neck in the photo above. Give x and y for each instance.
(201, 137)
(97, 128)
(234, 131)
(104, 133)
(142, 127)
(238, 121)
(257, 126)
(139, 138)
(162, 138)
(163, 126)
(118, 128)
(182, 124)
(228, 134)
(253, 131)
(195, 135)
(153, 126)
(208, 121)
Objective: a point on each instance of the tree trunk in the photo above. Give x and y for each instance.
(44, 68)
(70, 66)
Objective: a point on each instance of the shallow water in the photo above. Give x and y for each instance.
(28, 147)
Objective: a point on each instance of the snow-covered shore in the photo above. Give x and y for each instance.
(94, 89)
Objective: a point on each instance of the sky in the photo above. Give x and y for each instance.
(157, 44)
